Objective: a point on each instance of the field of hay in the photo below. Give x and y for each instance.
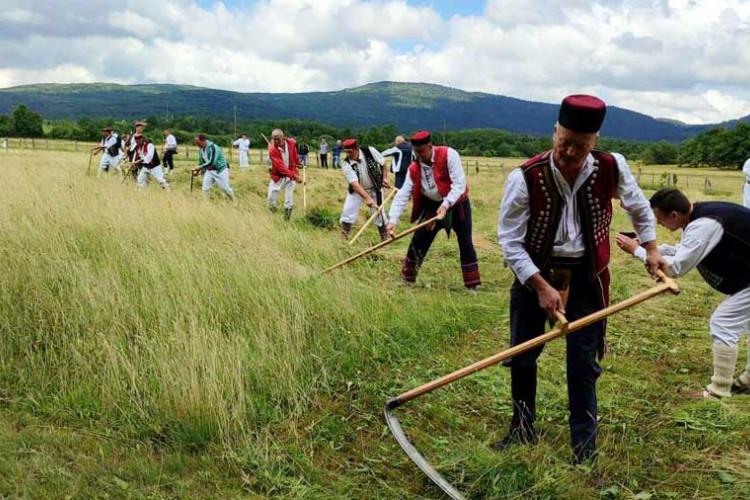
(167, 345)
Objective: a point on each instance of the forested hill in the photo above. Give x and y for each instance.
(409, 106)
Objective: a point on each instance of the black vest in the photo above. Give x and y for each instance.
(727, 266)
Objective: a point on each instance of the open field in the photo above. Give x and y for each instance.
(161, 345)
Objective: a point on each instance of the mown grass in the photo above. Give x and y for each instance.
(158, 344)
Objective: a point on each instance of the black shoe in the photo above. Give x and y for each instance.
(287, 213)
(739, 388)
(515, 437)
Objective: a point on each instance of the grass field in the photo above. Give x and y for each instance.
(161, 345)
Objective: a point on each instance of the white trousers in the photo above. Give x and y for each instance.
(351, 208)
(108, 161)
(732, 318)
(244, 163)
(156, 172)
(746, 194)
(221, 179)
(287, 185)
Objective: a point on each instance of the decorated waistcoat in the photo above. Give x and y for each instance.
(594, 205)
(442, 180)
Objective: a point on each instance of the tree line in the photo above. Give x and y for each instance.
(720, 147)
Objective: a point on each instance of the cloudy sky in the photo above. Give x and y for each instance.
(682, 59)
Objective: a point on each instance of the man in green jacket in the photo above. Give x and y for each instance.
(214, 166)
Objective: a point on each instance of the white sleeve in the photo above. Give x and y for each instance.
(349, 173)
(400, 201)
(458, 178)
(149, 153)
(236, 143)
(377, 156)
(511, 227)
(746, 170)
(634, 201)
(698, 239)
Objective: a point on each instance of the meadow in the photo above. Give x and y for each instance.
(169, 345)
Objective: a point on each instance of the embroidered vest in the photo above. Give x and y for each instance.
(594, 205)
(727, 267)
(373, 168)
(442, 179)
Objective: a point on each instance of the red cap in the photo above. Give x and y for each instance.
(582, 113)
(421, 138)
(350, 144)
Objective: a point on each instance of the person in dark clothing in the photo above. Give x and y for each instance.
(402, 156)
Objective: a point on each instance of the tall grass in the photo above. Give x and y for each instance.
(183, 325)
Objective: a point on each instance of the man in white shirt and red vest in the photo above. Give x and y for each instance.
(284, 174)
(437, 185)
(365, 171)
(147, 162)
(554, 221)
(716, 240)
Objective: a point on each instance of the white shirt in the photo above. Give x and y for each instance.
(285, 154)
(396, 162)
(569, 242)
(746, 170)
(109, 141)
(323, 147)
(429, 186)
(243, 144)
(146, 158)
(698, 239)
(349, 168)
(746, 190)
(171, 142)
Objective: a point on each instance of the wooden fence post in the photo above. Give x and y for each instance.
(76, 144)
(33, 144)
(476, 166)
(638, 177)
(707, 185)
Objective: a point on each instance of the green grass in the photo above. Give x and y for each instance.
(157, 344)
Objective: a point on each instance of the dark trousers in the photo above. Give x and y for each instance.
(422, 240)
(527, 320)
(400, 178)
(323, 160)
(169, 159)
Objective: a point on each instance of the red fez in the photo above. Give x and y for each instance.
(350, 144)
(421, 138)
(582, 113)
(140, 124)
(106, 129)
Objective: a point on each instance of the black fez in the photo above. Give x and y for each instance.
(421, 138)
(582, 113)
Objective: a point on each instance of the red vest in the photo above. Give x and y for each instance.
(442, 180)
(278, 170)
(594, 205)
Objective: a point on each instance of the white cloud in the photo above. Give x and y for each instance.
(683, 59)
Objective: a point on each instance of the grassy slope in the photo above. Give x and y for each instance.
(156, 345)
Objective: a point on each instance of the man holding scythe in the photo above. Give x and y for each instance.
(554, 220)
(437, 185)
(282, 152)
(365, 171)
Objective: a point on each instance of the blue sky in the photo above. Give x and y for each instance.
(445, 8)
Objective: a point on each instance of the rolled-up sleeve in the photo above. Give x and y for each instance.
(634, 202)
(511, 227)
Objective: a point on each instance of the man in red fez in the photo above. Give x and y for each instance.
(437, 185)
(365, 171)
(554, 227)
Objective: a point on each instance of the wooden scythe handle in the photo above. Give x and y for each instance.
(668, 285)
(373, 216)
(381, 245)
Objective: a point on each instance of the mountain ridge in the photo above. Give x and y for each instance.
(408, 105)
